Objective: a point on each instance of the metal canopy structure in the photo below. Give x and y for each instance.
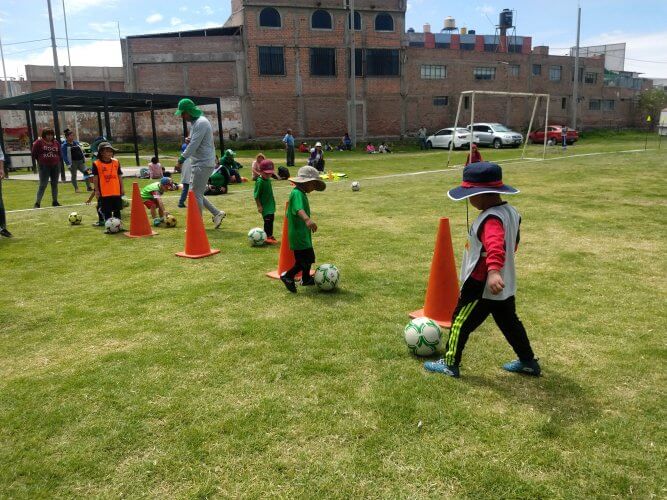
(102, 103)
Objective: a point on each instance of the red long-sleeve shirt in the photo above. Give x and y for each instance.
(492, 236)
(46, 153)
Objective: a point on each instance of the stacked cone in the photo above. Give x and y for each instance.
(286, 258)
(139, 224)
(196, 241)
(442, 292)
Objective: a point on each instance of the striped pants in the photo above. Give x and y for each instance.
(472, 310)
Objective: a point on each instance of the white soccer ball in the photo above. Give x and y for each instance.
(256, 237)
(113, 225)
(356, 186)
(75, 218)
(326, 277)
(423, 336)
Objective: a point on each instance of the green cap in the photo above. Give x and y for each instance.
(188, 106)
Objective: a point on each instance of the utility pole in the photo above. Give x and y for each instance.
(353, 79)
(575, 87)
(56, 67)
(8, 90)
(71, 75)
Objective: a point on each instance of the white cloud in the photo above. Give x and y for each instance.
(485, 9)
(154, 18)
(103, 27)
(175, 21)
(183, 8)
(207, 10)
(76, 6)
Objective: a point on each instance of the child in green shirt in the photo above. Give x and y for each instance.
(266, 204)
(300, 226)
(151, 196)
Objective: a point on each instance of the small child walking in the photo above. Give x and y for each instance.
(300, 226)
(151, 196)
(487, 273)
(266, 203)
(108, 180)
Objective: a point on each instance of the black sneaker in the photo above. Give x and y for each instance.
(55, 204)
(36, 205)
(5, 233)
(308, 282)
(289, 283)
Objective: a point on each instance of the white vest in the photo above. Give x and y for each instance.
(511, 221)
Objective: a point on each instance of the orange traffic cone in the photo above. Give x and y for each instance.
(139, 224)
(196, 241)
(442, 293)
(286, 258)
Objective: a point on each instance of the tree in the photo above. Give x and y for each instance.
(651, 103)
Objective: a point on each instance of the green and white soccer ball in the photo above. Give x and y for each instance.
(327, 277)
(356, 186)
(423, 336)
(113, 225)
(75, 218)
(256, 237)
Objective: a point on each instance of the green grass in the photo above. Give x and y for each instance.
(125, 371)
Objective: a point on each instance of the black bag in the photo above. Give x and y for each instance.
(283, 173)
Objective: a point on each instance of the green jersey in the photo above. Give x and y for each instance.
(148, 191)
(264, 193)
(220, 178)
(299, 234)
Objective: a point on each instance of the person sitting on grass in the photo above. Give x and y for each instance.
(151, 196)
(303, 148)
(228, 161)
(300, 226)
(347, 142)
(476, 156)
(155, 169)
(108, 181)
(370, 149)
(218, 182)
(487, 273)
(317, 157)
(266, 203)
(383, 148)
(256, 173)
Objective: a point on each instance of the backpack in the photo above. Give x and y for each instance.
(283, 173)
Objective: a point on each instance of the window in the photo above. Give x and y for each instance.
(563, 103)
(321, 20)
(269, 18)
(513, 69)
(466, 102)
(440, 100)
(484, 73)
(442, 45)
(358, 62)
(467, 46)
(515, 48)
(490, 47)
(384, 22)
(357, 21)
(271, 61)
(591, 78)
(322, 62)
(555, 73)
(382, 62)
(537, 69)
(594, 105)
(608, 105)
(433, 72)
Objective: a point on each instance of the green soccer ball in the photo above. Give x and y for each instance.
(256, 237)
(75, 218)
(423, 336)
(327, 277)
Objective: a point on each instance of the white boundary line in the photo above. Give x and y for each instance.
(453, 168)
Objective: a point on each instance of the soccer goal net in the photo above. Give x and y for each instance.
(473, 93)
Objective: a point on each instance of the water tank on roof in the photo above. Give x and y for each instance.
(464, 30)
(411, 30)
(471, 32)
(505, 20)
(450, 23)
(427, 28)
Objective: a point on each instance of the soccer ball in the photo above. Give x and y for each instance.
(423, 336)
(356, 186)
(75, 218)
(170, 221)
(256, 237)
(113, 225)
(326, 277)
(125, 201)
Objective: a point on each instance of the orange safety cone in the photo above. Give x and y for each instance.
(196, 241)
(139, 224)
(286, 258)
(442, 293)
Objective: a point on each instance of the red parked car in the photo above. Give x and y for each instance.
(554, 135)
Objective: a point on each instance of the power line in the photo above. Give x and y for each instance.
(27, 41)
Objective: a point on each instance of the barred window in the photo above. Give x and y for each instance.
(442, 45)
(382, 62)
(433, 72)
(269, 18)
(537, 69)
(555, 73)
(322, 62)
(515, 48)
(594, 105)
(513, 69)
(384, 22)
(467, 46)
(563, 103)
(357, 21)
(483, 73)
(271, 61)
(608, 105)
(490, 47)
(321, 20)
(590, 78)
(440, 100)
(358, 62)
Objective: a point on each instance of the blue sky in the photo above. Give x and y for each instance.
(642, 24)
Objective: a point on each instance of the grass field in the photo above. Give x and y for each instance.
(125, 371)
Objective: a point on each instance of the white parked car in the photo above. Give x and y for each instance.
(443, 137)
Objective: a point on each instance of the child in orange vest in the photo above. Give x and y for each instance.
(108, 179)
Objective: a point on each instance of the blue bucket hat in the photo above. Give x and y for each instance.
(165, 181)
(480, 178)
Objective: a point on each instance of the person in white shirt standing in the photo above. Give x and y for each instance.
(201, 152)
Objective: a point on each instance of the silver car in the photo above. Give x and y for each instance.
(496, 135)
